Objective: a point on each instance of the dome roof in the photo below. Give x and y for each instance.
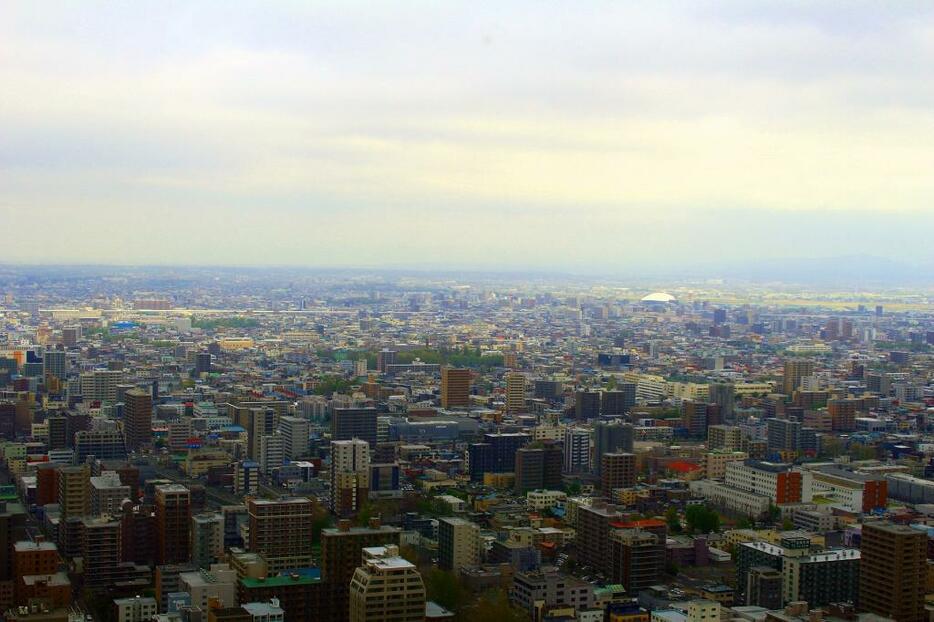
(658, 297)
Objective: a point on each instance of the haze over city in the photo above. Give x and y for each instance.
(559, 135)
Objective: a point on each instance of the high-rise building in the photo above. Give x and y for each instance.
(55, 363)
(100, 550)
(726, 437)
(351, 423)
(137, 421)
(74, 490)
(386, 588)
(107, 494)
(842, 414)
(458, 543)
(257, 419)
(795, 371)
(586, 405)
(618, 402)
(783, 435)
(271, 452)
(618, 471)
(577, 443)
(496, 454)
(295, 432)
(820, 578)
(637, 558)
(893, 571)
(350, 475)
(538, 468)
(723, 394)
(694, 418)
(385, 358)
(341, 552)
(207, 539)
(515, 392)
(280, 531)
(455, 387)
(609, 438)
(593, 535)
(101, 444)
(173, 522)
(101, 384)
(203, 362)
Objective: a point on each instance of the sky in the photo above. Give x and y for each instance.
(554, 135)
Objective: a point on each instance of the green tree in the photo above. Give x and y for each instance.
(673, 520)
(701, 519)
(444, 588)
(495, 605)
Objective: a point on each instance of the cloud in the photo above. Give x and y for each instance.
(381, 131)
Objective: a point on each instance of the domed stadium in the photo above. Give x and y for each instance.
(659, 298)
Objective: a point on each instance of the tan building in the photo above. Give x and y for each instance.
(137, 421)
(892, 571)
(618, 471)
(280, 531)
(73, 490)
(715, 462)
(515, 392)
(386, 588)
(458, 543)
(455, 387)
(795, 371)
(726, 437)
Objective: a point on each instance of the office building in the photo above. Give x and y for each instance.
(496, 454)
(173, 520)
(637, 558)
(386, 588)
(258, 420)
(617, 471)
(776, 481)
(350, 475)
(893, 572)
(515, 392)
(611, 437)
(280, 531)
(538, 469)
(455, 387)
(694, 418)
(55, 363)
(295, 434)
(458, 543)
(137, 422)
(207, 539)
(350, 423)
(618, 402)
(341, 552)
(74, 490)
(577, 442)
(795, 371)
(546, 589)
(107, 493)
(819, 577)
(100, 550)
(100, 385)
(100, 444)
(586, 405)
(593, 535)
(842, 414)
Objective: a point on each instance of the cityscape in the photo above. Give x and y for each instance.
(414, 311)
(199, 444)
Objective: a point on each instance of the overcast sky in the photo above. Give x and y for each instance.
(517, 134)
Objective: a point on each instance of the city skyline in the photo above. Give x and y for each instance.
(551, 137)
